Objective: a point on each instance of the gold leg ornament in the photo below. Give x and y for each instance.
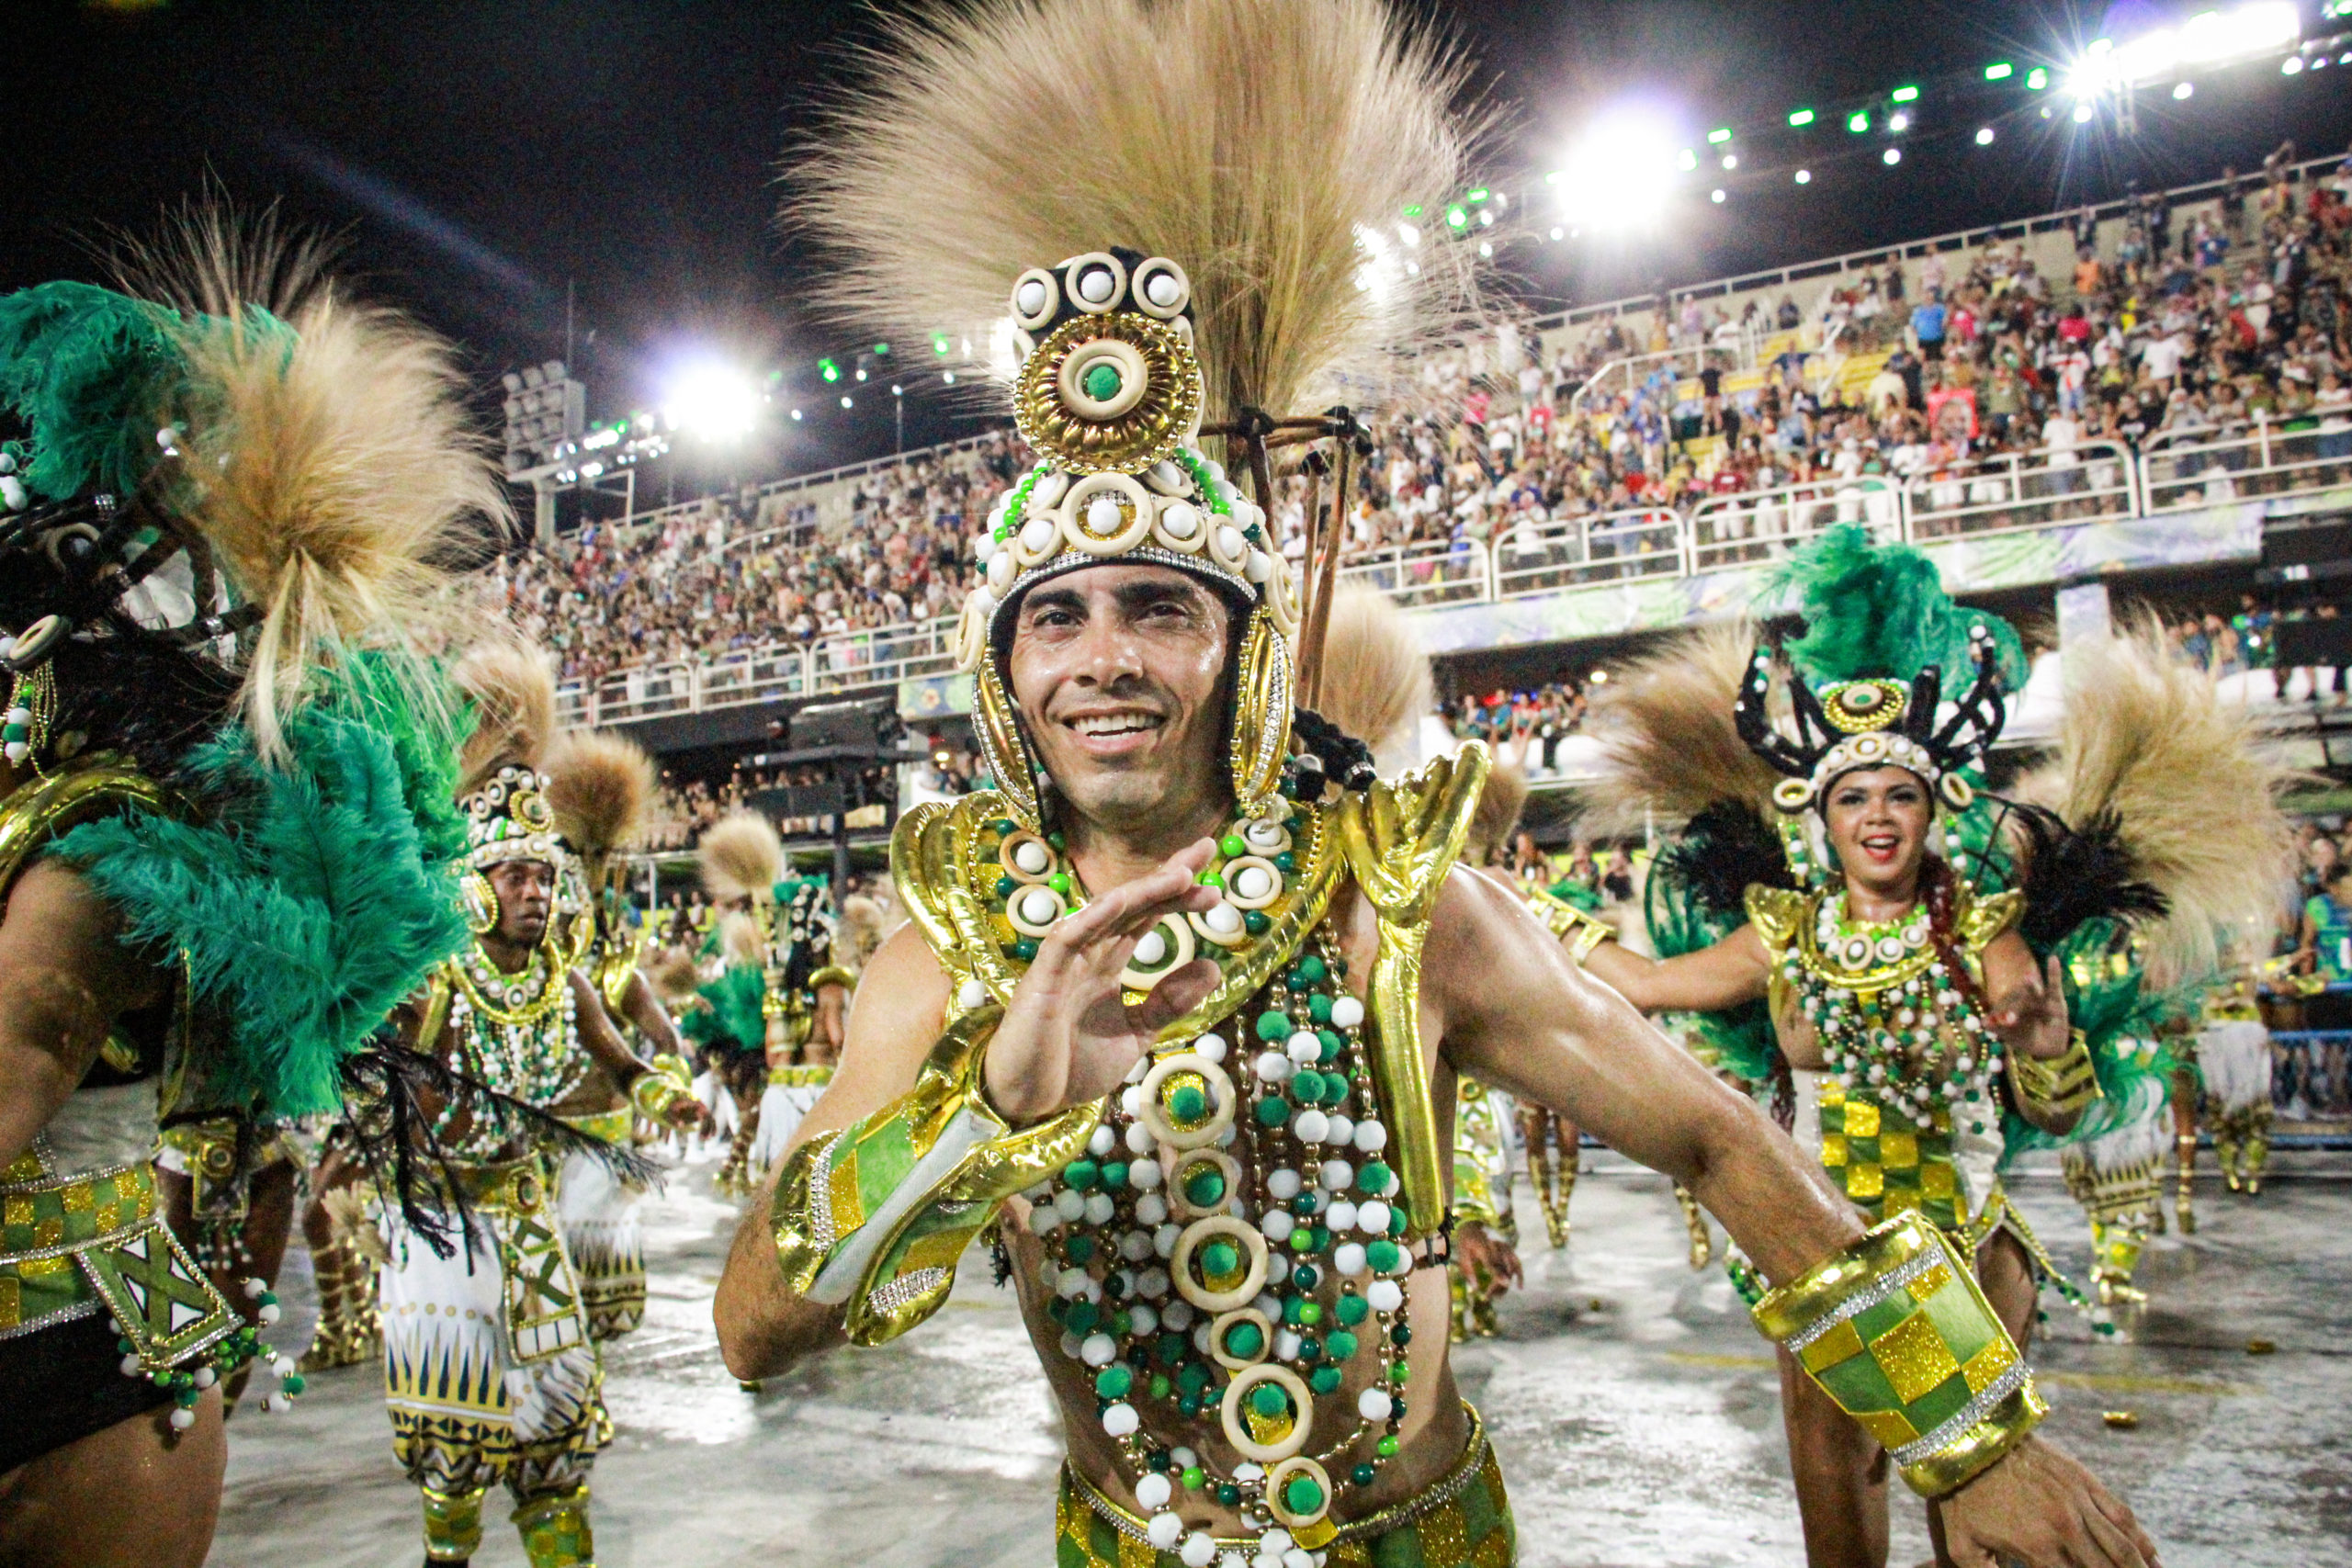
(1703, 1240)
(2185, 1144)
(556, 1532)
(452, 1525)
(1552, 1158)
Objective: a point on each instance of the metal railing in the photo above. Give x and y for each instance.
(2016, 490)
(1680, 364)
(2009, 492)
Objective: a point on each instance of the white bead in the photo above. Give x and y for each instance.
(1222, 918)
(1298, 1557)
(1273, 1067)
(1103, 516)
(1276, 1540)
(1201, 1338)
(1222, 488)
(1032, 857)
(1257, 566)
(1335, 1175)
(1310, 1126)
(1282, 1184)
(1266, 1560)
(1286, 1344)
(984, 545)
(1346, 1012)
(1131, 1103)
(1151, 951)
(1272, 1305)
(1097, 1351)
(129, 1366)
(12, 494)
(1373, 1404)
(1211, 1047)
(1143, 1175)
(1120, 1419)
(1342, 1131)
(1072, 1284)
(17, 750)
(1102, 1141)
(1039, 907)
(1373, 1218)
(1347, 1259)
(1095, 286)
(1232, 1560)
(1164, 1530)
(1152, 1284)
(1136, 1246)
(1185, 1458)
(1230, 541)
(1151, 1209)
(205, 1377)
(999, 570)
(1042, 1218)
(1371, 1136)
(1141, 1319)
(1200, 1547)
(1036, 535)
(1243, 1474)
(1099, 1208)
(1069, 1204)
(1178, 1315)
(1153, 1492)
(1340, 1215)
(1254, 882)
(1305, 1048)
(1163, 1240)
(1277, 1224)
(1032, 297)
(1161, 290)
(181, 1420)
(1180, 520)
(1385, 1295)
(971, 994)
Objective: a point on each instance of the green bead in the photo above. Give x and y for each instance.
(1310, 1312)
(1269, 1401)
(1114, 1175)
(1192, 1377)
(1194, 1478)
(1353, 1309)
(1081, 1174)
(1025, 949)
(1292, 1307)
(1341, 1345)
(1302, 1240)
(1382, 1255)
(1171, 1349)
(1244, 1340)
(1396, 1220)
(1219, 1258)
(1273, 1026)
(1228, 1494)
(292, 1384)
(1159, 1460)
(1272, 1111)
(1332, 1043)
(1059, 881)
(1372, 1179)
(1005, 887)
(1189, 1404)
(1082, 1317)
(1003, 825)
(1123, 1323)
(1306, 1277)
(1399, 1371)
(1302, 1494)
(1386, 1446)
(1318, 1007)
(1113, 1383)
(1362, 1474)
(1100, 381)
(1231, 847)
(1324, 1379)
(1204, 1187)
(1160, 1385)
(1312, 967)
(1310, 1349)
(1400, 1335)
(1255, 921)
(1080, 1248)
(1189, 1104)
(1286, 861)
(1210, 879)
(1056, 840)
(1306, 1086)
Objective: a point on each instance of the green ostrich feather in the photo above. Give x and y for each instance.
(1583, 895)
(1880, 611)
(737, 1019)
(1736, 1040)
(310, 896)
(93, 374)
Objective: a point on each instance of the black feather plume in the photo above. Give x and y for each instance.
(1722, 851)
(2074, 874)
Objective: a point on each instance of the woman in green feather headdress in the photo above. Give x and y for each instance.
(225, 832)
(1897, 959)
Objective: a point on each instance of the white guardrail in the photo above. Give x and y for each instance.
(2011, 492)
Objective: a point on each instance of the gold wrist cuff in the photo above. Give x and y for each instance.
(2060, 1085)
(832, 975)
(1896, 1331)
(660, 1087)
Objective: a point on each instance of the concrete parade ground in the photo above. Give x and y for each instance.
(1635, 1411)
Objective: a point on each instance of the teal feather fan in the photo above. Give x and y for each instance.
(736, 1020)
(310, 896)
(93, 374)
(1880, 611)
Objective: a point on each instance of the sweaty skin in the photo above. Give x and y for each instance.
(1117, 671)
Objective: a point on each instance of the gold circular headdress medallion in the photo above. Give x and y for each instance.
(1109, 392)
(1860, 706)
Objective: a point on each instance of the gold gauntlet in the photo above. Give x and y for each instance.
(875, 1215)
(1896, 1330)
(664, 1082)
(2059, 1086)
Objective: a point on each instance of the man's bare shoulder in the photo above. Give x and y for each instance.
(901, 1001)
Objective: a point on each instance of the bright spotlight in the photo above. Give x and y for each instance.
(1984, 136)
(1899, 123)
(1892, 155)
(1731, 160)
(2082, 114)
(1716, 195)
(1559, 233)
(1616, 175)
(1804, 177)
(713, 402)
(2290, 65)
(847, 403)
(2185, 90)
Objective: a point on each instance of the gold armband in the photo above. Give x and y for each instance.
(1896, 1330)
(2059, 1086)
(664, 1082)
(874, 1217)
(831, 974)
(1579, 931)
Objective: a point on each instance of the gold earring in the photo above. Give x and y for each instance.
(481, 904)
(1261, 715)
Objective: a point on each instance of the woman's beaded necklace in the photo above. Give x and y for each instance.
(1183, 1293)
(1880, 1013)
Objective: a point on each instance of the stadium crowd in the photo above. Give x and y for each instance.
(2165, 332)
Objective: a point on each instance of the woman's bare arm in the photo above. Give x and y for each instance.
(1732, 971)
(65, 976)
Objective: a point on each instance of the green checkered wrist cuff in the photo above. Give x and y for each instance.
(1896, 1330)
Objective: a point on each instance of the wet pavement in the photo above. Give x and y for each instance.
(1635, 1411)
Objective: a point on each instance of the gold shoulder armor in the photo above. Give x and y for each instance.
(925, 871)
(1981, 920)
(1777, 914)
(40, 810)
(1402, 838)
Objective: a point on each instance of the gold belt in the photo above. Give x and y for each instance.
(613, 1125)
(1436, 1495)
(504, 1187)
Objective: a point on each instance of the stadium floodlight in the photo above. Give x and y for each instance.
(1984, 136)
(2037, 78)
(1905, 95)
(1892, 155)
(2185, 90)
(1718, 136)
(2209, 37)
(1898, 123)
(1804, 177)
(829, 369)
(795, 413)
(948, 376)
(1617, 176)
(1686, 160)
(1410, 235)
(1457, 217)
(1998, 70)
(1859, 123)
(2083, 112)
(2290, 65)
(1800, 117)
(713, 402)
(1731, 160)
(1716, 195)
(847, 403)
(881, 351)
(941, 344)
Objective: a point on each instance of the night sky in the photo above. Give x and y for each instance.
(492, 163)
